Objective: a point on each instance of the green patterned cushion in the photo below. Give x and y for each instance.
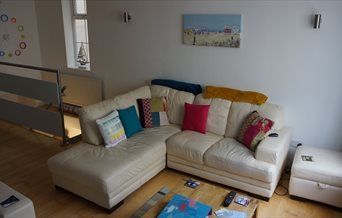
(152, 112)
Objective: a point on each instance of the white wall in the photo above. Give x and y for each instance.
(281, 55)
(25, 14)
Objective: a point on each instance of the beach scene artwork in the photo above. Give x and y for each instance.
(212, 30)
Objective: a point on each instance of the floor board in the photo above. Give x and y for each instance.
(23, 158)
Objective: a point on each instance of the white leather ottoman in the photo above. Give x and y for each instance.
(22, 208)
(320, 179)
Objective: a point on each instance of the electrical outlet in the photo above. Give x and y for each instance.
(295, 143)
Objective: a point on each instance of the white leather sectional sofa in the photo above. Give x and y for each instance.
(106, 176)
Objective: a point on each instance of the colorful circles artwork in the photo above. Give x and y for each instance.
(4, 18)
(17, 52)
(22, 45)
(13, 40)
(20, 28)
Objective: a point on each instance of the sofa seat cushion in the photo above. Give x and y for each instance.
(231, 156)
(163, 132)
(130, 98)
(325, 167)
(106, 169)
(190, 145)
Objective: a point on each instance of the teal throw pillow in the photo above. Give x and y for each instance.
(130, 121)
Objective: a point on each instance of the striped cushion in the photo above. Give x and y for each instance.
(111, 129)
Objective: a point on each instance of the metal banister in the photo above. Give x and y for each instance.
(59, 91)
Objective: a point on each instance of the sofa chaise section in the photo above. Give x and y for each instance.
(107, 175)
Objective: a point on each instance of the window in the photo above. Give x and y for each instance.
(80, 30)
(76, 33)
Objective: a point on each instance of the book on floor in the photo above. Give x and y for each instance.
(244, 201)
(191, 183)
(225, 213)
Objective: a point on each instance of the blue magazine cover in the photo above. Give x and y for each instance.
(181, 206)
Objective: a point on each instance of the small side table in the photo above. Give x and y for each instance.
(22, 208)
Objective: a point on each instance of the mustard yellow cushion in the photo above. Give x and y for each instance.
(235, 95)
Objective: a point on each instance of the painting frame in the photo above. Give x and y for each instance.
(219, 30)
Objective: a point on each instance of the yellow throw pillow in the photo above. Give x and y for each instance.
(235, 95)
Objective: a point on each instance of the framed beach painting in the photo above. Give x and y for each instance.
(212, 30)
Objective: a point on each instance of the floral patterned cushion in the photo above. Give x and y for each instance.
(254, 130)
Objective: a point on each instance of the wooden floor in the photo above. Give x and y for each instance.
(23, 156)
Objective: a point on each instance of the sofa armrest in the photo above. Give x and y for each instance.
(274, 149)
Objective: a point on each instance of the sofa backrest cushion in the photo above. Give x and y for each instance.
(239, 111)
(175, 99)
(88, 116)
(130, 98)
(218, 113)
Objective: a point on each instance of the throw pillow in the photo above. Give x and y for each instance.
(111, 129)
(181, 86)
(130, 121)
(235, 95)
(195, 117)
(254, 130)
(152, 112)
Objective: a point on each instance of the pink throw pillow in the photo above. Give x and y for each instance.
(195, 117)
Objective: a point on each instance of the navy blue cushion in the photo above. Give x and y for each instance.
(182, 86)
(130, 121)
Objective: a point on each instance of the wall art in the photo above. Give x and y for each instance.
(212, 30)
(12, 37)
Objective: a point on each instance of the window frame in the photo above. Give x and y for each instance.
(79, 16)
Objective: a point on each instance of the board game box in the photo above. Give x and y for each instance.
(181, 206)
